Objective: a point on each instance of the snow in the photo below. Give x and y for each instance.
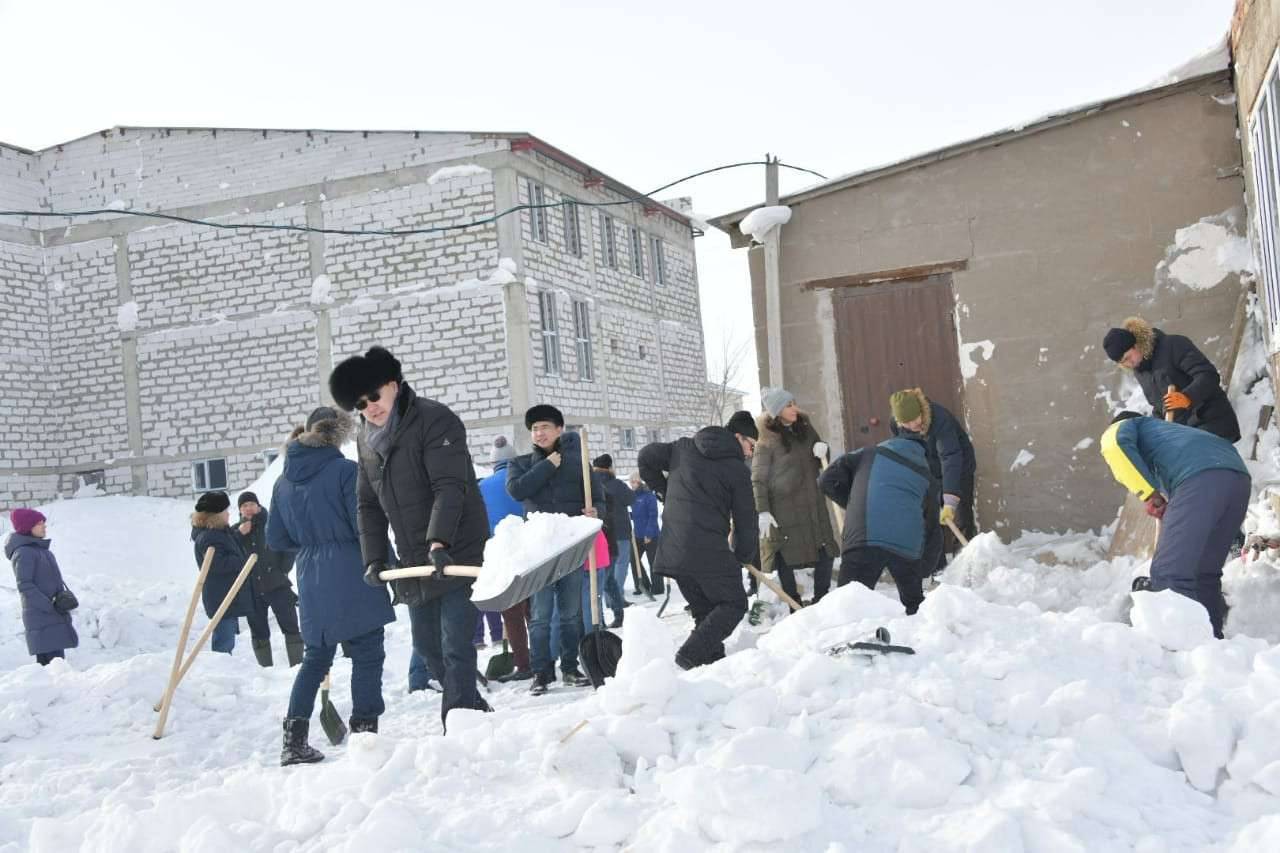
(1083, 444)
(127, 317)
(321, 290)
(759, 222)
(519, 544)
(1032, 717)
(968, 366)
(1204, 254)
(448, 173)
(1216, 57)
(1023, 458)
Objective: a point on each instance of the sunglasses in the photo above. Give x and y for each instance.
(371, 397)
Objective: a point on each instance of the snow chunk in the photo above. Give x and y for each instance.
(1023, 459)
(127, 317)
(321, 290)
(451, 172)
(759, 222)
(1203, 736)
(520, 544)
(1172, 620)
(1083, 444)
(969, 367)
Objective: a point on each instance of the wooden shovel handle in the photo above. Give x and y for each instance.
(955, 531)
(777, 590)
(1168, 413)
(427, 571)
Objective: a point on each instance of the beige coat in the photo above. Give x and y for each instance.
(784, 477)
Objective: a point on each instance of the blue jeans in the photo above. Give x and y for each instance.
(366, 655)
(616, 588)
(224, 635)
(442, 631)
(566, 596)
(419, 673)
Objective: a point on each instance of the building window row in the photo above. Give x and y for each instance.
(1264, 138)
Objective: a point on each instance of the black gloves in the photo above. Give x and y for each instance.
(372, 571)
(439, 559)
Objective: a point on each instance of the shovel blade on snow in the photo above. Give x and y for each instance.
(600, 652)
(503, 663)
(330, 720)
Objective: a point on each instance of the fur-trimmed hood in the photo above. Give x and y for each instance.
(208, 521)
(328, 433)
(770, 428)
(926, 409)
(1144, 335)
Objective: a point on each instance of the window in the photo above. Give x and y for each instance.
(582, 337)
(608, 251)
(613, 346)
(269, 456)
(642, 352)
(550, 333)
(209, 475)
(537, 213)
(628, 439)
(1265, 142)
(637, 252)
(572, 231)
(659, 261)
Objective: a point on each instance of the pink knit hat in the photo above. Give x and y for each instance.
(25, 519)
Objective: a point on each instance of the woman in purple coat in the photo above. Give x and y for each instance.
(49, 632)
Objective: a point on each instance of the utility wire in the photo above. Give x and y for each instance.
(388, 232)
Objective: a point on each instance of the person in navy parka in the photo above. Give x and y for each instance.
(891, 515)
(313, 513)
(49, 633)
(211, 528)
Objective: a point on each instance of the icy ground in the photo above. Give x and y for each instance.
(1029, 719)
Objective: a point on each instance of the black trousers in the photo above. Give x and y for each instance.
(649, 550)
(718, 602)
(821, 575)
(283, 603)
(866, 565)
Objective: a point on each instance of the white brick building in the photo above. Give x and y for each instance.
(236, 330)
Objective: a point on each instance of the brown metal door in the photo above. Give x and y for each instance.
(890, 336)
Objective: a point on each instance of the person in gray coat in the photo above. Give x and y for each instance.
(49, 630)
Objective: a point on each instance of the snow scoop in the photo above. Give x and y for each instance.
(330, 720)
(599, 650)
(777, 590)
(881, 646)
(501, 664)
(166, 702)
(523, 585)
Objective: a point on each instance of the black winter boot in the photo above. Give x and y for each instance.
(262, 651)
(293, 647)
(296, 750)
(360, 724)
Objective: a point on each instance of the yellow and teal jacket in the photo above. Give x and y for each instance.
(1147, 455)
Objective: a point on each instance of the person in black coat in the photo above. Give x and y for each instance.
(211, 528)
(704, 485)
(416, 476)
(549, 479)
(1158, 361)
(951, 460)
(618, 501)
(48, 629)
(272, 591)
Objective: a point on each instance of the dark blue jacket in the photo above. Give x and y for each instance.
(644, 514)
(38, 579)
(229, 556)
(620, 498)
(948, 447)
(313, 513)
(1148, 455)
(542, 487)
(889, 495)
(497, 503)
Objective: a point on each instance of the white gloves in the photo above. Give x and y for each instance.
(820, 450)
(767, 523)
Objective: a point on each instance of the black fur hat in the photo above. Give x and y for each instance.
(543, 412)
(213, 502)
(360, 374)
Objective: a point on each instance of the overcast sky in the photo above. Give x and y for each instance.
(645, 91)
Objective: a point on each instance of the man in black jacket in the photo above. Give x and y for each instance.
(272, 590)
(550, 480)
(619, 498)
(704, 485)
(416, 475)
(1159, 361)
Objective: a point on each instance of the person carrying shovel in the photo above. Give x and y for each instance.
(705, 485)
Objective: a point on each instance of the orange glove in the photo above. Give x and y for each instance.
(1176, 400)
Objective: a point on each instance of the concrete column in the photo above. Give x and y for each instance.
(515, 296)
(773, 279)
(324, 328)
(129, 367)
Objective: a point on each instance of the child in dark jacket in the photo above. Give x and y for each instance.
(211, 528)
(48, 629)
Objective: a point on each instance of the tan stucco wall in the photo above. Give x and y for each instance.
(1063, 231)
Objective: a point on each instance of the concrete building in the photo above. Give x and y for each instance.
(988, 272)
(159, 357)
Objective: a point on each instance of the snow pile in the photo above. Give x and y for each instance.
(759, 222)
(519, 544)
(450, 172)
(127, 317)
(321, 290)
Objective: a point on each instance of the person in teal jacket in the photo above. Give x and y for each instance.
(1198, 485)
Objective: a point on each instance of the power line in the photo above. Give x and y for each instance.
(387, 232)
